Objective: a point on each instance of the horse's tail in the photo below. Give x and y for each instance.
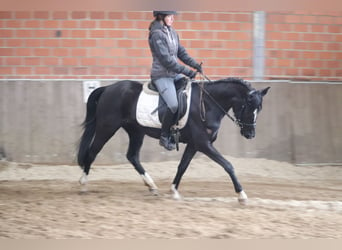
(89, 126)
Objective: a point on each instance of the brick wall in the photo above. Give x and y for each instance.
(112, 45)
(304, 46)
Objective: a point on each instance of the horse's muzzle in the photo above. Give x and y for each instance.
(248, 134)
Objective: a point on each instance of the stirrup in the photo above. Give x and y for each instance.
(166, 143)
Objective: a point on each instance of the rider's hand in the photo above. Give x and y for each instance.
(198, 67)
(192, 74)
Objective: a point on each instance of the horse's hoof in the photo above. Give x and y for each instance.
(154, 191)
(243, 199)
(176, 196)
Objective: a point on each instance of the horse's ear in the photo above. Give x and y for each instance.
(264, 91)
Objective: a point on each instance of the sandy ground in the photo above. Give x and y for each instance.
(285, 201)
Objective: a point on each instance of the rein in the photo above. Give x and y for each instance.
(202, 106)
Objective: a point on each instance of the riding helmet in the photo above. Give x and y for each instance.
(164, 12)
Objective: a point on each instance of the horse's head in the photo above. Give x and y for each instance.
(246, 111)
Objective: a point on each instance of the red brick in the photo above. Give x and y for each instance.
(87, 43)
(60, 71)
(225, 17)
(194, 25)
(310, 54)
(309, 19)
(232, 26)
(97, 15)
(190, 16)
(318, 28)
(116, 15)
(50, 43)
(78, 15)
(22, 14)
(325, 20)
(125, 43)
(285, 44)
(97, 33)
(6, 70)
(41, 52)
(207, 17)
(12, 61)
(17, 52)
(292, 71)
(285, 27)
(334, 46)
(107, 24)
(42, 70)
(334, 29)
(309, 37)
(24, 33)
(316, 46)
(300, 63)
(242, 17)
(301, 28)
(88, 61)
(6, 14)
(24, 70)
(292, 19)
(60, 52)
(334, 64)
(135, 34)
(135, 15)
(6, 33)
(41, 14)
(32, 24)
(33, 42)
(241, 36)
(72, 24)
(43, 33)
(51, 61)
(326, 55)
(98, 52)
(69, 42)
(70, 61)
(50, 24)
(78, 52)
(106, 61)
(309, 72)
(79, 33)
(14, 24)
(60, 15)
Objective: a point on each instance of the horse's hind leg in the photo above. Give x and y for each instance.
(133, 153)
(102, 135)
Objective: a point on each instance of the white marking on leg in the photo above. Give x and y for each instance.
(242, 198)
(84, 179)
(150, 183)
(175, 194)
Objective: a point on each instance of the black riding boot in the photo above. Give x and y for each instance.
(165, 137)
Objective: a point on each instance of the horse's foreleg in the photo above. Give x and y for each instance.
(213, 154)
(188, 154)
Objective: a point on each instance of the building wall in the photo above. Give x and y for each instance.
(113, 45)
(41, 123)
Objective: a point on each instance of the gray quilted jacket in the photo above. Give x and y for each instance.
(166, 50)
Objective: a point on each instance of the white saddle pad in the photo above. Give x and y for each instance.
(148, 102)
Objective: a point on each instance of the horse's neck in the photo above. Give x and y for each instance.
(225, 91)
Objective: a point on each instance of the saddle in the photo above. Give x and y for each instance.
(151, 107)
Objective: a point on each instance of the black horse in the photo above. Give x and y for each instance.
(114, 106)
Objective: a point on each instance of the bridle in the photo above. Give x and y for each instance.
(237, 121)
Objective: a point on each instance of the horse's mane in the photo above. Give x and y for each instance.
(236, 81)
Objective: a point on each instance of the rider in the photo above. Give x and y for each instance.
(166, 50)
